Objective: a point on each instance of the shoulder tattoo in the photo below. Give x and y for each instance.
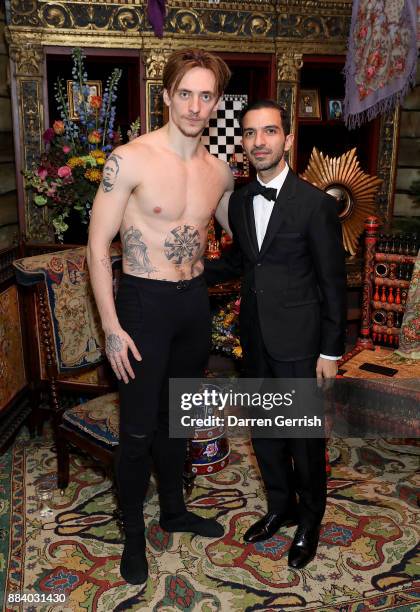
(110, 172)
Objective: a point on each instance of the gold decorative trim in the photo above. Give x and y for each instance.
(315, 7)
(288, 66)
(154, 105)
(154, 61)
(28, 59)
(387, 162)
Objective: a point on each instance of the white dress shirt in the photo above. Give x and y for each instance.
(262, 213)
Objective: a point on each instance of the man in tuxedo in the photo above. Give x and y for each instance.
(287, 246)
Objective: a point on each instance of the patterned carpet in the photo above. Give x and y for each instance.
(366, 560)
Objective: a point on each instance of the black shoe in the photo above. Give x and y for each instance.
(133, 567)
(304, 545)
(268, 525)
(188, 522)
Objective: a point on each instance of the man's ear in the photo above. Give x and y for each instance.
(166, 97)
(288, 142)
(216, 106)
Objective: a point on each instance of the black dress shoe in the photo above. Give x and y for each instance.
(304, 545)
(268, 525)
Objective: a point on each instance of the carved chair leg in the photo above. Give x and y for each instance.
(35, 420)
(63, 462)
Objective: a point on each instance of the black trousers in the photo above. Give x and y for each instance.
(294, 465)
(170, 325)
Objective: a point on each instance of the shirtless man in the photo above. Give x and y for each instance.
(159, 191)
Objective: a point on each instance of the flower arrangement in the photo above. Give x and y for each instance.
(70, 168)
(225, 330)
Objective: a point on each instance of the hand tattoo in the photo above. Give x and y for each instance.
(110, 172)
(182, 244)
(113, 344)
(135, 252)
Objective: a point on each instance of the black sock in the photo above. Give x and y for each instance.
(133, 567)
(191, 523)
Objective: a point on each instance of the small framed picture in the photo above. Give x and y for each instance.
(95, 89)
(334, 109)
(309, 106)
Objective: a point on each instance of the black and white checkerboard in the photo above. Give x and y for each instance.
(223, 136)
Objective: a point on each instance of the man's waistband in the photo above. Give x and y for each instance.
(179, 285)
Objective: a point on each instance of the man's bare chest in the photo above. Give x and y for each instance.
(176, 197)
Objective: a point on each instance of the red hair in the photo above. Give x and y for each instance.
(180, 62)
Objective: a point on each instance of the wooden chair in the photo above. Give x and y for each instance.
(67, 337)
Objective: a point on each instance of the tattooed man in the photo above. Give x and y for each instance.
(159, 191)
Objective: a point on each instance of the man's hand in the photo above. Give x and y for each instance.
(326, 371)
(117, 343)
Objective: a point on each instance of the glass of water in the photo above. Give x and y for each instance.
(44, 492)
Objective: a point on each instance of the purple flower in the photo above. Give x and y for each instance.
(48, 135)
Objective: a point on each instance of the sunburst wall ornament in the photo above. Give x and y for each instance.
(353, 189)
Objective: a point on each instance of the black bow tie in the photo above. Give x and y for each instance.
(269, 193)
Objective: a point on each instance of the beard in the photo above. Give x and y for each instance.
(190, 131)
(267, 164)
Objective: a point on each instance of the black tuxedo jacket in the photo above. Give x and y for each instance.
(296, 283)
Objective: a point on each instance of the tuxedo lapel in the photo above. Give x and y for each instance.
(249, 222)
(285, 200)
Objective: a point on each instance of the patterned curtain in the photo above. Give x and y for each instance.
(156, 13)
(381, 59)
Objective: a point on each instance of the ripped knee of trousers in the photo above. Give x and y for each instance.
(133, 447)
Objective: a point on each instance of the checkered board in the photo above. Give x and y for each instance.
(223, 135)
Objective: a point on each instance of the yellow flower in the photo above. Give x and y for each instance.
(94, 175)
(74, 162)
(228, 320)
(97, 153)
(237, 351)
(100, 161)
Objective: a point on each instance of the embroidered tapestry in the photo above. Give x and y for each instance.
(78, 336)
(410, 327)
(381, 59)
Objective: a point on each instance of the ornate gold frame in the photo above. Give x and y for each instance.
(354, 190)
(286, 28)
(70, 96)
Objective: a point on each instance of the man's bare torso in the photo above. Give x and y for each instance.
(164, 228)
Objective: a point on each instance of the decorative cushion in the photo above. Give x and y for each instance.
(410, 329)
(77, 332)
(98, 418)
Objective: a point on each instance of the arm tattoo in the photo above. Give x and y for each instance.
(113, 344)
(110, 172)
(106, 262)
(135, 252)
(182, 244)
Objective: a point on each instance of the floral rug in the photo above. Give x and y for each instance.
(366, 559)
